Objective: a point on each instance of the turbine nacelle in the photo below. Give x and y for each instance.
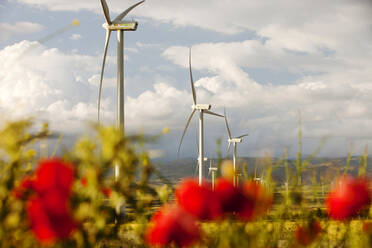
(235, 140)
(201, 106)
(123, 25)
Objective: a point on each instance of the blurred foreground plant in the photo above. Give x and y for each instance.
(75, 200)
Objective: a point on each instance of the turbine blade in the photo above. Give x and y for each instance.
(106, 11)
(228, 149)
(125, 12)
(184, 131)
(241, 136)
(191, 80)
(108, 33)
(227, 124)
(212, 113)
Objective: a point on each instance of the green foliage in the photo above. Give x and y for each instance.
(363, 162)
(132, 197)
(99, 204)
(16, 157)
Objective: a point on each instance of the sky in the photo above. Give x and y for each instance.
(264, 61)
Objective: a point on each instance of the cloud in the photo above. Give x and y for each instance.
(76, 37)
(131, 49)
(8, 30)
(232, 16)
(330, 97)
(106, 83)
(299, 26)
(62, 88)
(48, 84)
(327, 56)
(146, 45)
(59, 5)
(157, 108)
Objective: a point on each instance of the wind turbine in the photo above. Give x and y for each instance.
(197, 160)
(203, 109)
(233, 141)
(212, 170)
(197, 164)
(116, 25)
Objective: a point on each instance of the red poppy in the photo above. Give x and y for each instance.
(84, 181)
(54, 173)
(172, 225)
(55, 202)
(306, 234)
(39, 221)
(262, 200)
(200, 201)
(48, 226)
(232, 197)
(106, 191)
(48, 208)
(348, 197)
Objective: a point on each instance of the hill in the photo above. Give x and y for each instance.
(323, 169)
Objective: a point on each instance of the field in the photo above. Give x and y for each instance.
(74, 201)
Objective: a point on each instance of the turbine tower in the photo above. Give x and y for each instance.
(203, 109)
(116, 25)
(197, 160)
(233, 141)
(212, 170)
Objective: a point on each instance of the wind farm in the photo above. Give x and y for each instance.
(125, 171)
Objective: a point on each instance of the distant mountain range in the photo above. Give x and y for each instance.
(323, 169)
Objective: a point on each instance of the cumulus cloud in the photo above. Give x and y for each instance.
(8, 30)
(146, 45)
(159, 107)
(327, 54)
(49, 84)
(106, 83)
(76, 37)
(330, 98)
(131, 49)
(62, 88)
(305, 27)
(58, 5)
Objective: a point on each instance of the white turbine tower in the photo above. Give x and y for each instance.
(212, 170)
(235, 142)
(197, 165)
(116, 25)
(197, 160)
(203, 109)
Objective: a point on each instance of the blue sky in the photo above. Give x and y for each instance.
(262, 60)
